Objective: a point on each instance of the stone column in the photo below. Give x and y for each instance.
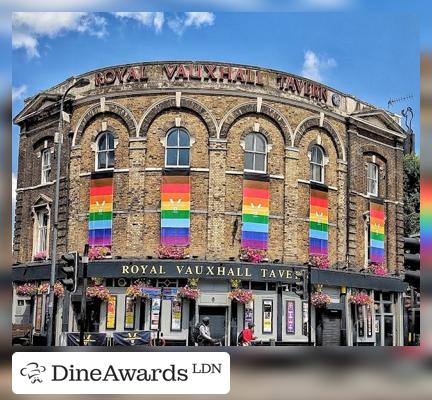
(341, 253)
(216, 199)
(290, 253)
(134, 235)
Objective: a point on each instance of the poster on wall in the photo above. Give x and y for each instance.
(248, 313)
(290, 317)
(155, 311)
(360, 319)
(305, 318)
(129, 321)
(369, 320)
(176, 315)
(267, 316)
(38, 317)
(111, 312)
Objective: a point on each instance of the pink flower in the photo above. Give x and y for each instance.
(135, 291)
(242, 296)
(99, 292)
(360, 298)
(189, 293)
(378, 269)
(27, 289)
(322, 262)
(98, 252)
(320, 300)
(40, 256)
(172, 252)
(252, 255)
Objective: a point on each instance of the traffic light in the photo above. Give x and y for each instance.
(70, 269)
(412, 261)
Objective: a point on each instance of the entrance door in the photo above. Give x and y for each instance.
(217, 317)
(328, 330)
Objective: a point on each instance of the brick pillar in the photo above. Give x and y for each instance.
(216, 199)
(291, 205)
(78, 208)
(341, 212)
(134, 234)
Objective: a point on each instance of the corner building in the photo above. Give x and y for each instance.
(220, 165)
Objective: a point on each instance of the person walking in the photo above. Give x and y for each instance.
(204, 338)
(247, 335)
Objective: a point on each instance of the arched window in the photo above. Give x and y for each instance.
(177, 148)
(372, 179)
(317, 164)
(105, 151)
(255, 153)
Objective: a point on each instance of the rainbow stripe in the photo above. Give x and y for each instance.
(318, 221)
(175, 209)
(377, 235)
(101, 210)
(426, 221)
(255, 212)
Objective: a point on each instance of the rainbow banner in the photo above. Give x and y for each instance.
(318, 221)
(175, 208)
(101, 210)
(255, 212)
(376, 252)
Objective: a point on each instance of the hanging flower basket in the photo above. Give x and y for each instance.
(321, 262)
(320, 300)
(242, 296)
(135, 291)
(40, 256)
(98, 253)
(188, 292)
(27, 289)
(378, 269)
(58, 289)
(361, 299)
(253, 255)
(98, 292)
(173, 252)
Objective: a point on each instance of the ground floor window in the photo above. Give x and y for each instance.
(385, 319)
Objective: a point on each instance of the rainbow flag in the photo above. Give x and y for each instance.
(175, 209)
(318, 221)
(377, 235)
(255, 212)
(101, 210)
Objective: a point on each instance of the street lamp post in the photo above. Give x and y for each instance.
(79, 83)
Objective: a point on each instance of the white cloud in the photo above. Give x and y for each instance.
(314, 66)
(148, 19)
(27, 27)
(179, 24)
(19, 92)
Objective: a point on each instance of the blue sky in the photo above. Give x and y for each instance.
(372, 56)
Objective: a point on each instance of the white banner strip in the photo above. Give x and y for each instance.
(120, 373)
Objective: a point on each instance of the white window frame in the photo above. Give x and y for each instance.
(372, 179)
(317, 164)
(45, 167)
(41, 232)
(254, 151)
(107, 150)
(177, 148)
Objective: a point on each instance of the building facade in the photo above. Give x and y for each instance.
(235, 175)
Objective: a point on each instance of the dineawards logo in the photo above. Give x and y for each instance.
(33, 371)
(121, 373)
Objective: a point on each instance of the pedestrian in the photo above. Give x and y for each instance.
(247, 335)
(204, 337)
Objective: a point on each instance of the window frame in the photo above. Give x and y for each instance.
(106, 151)
(375, 179)
(45, 168)
(40, 217)
(177, 147)
(313, 164)
(254, 152)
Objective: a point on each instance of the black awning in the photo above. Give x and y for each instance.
(357, 280)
